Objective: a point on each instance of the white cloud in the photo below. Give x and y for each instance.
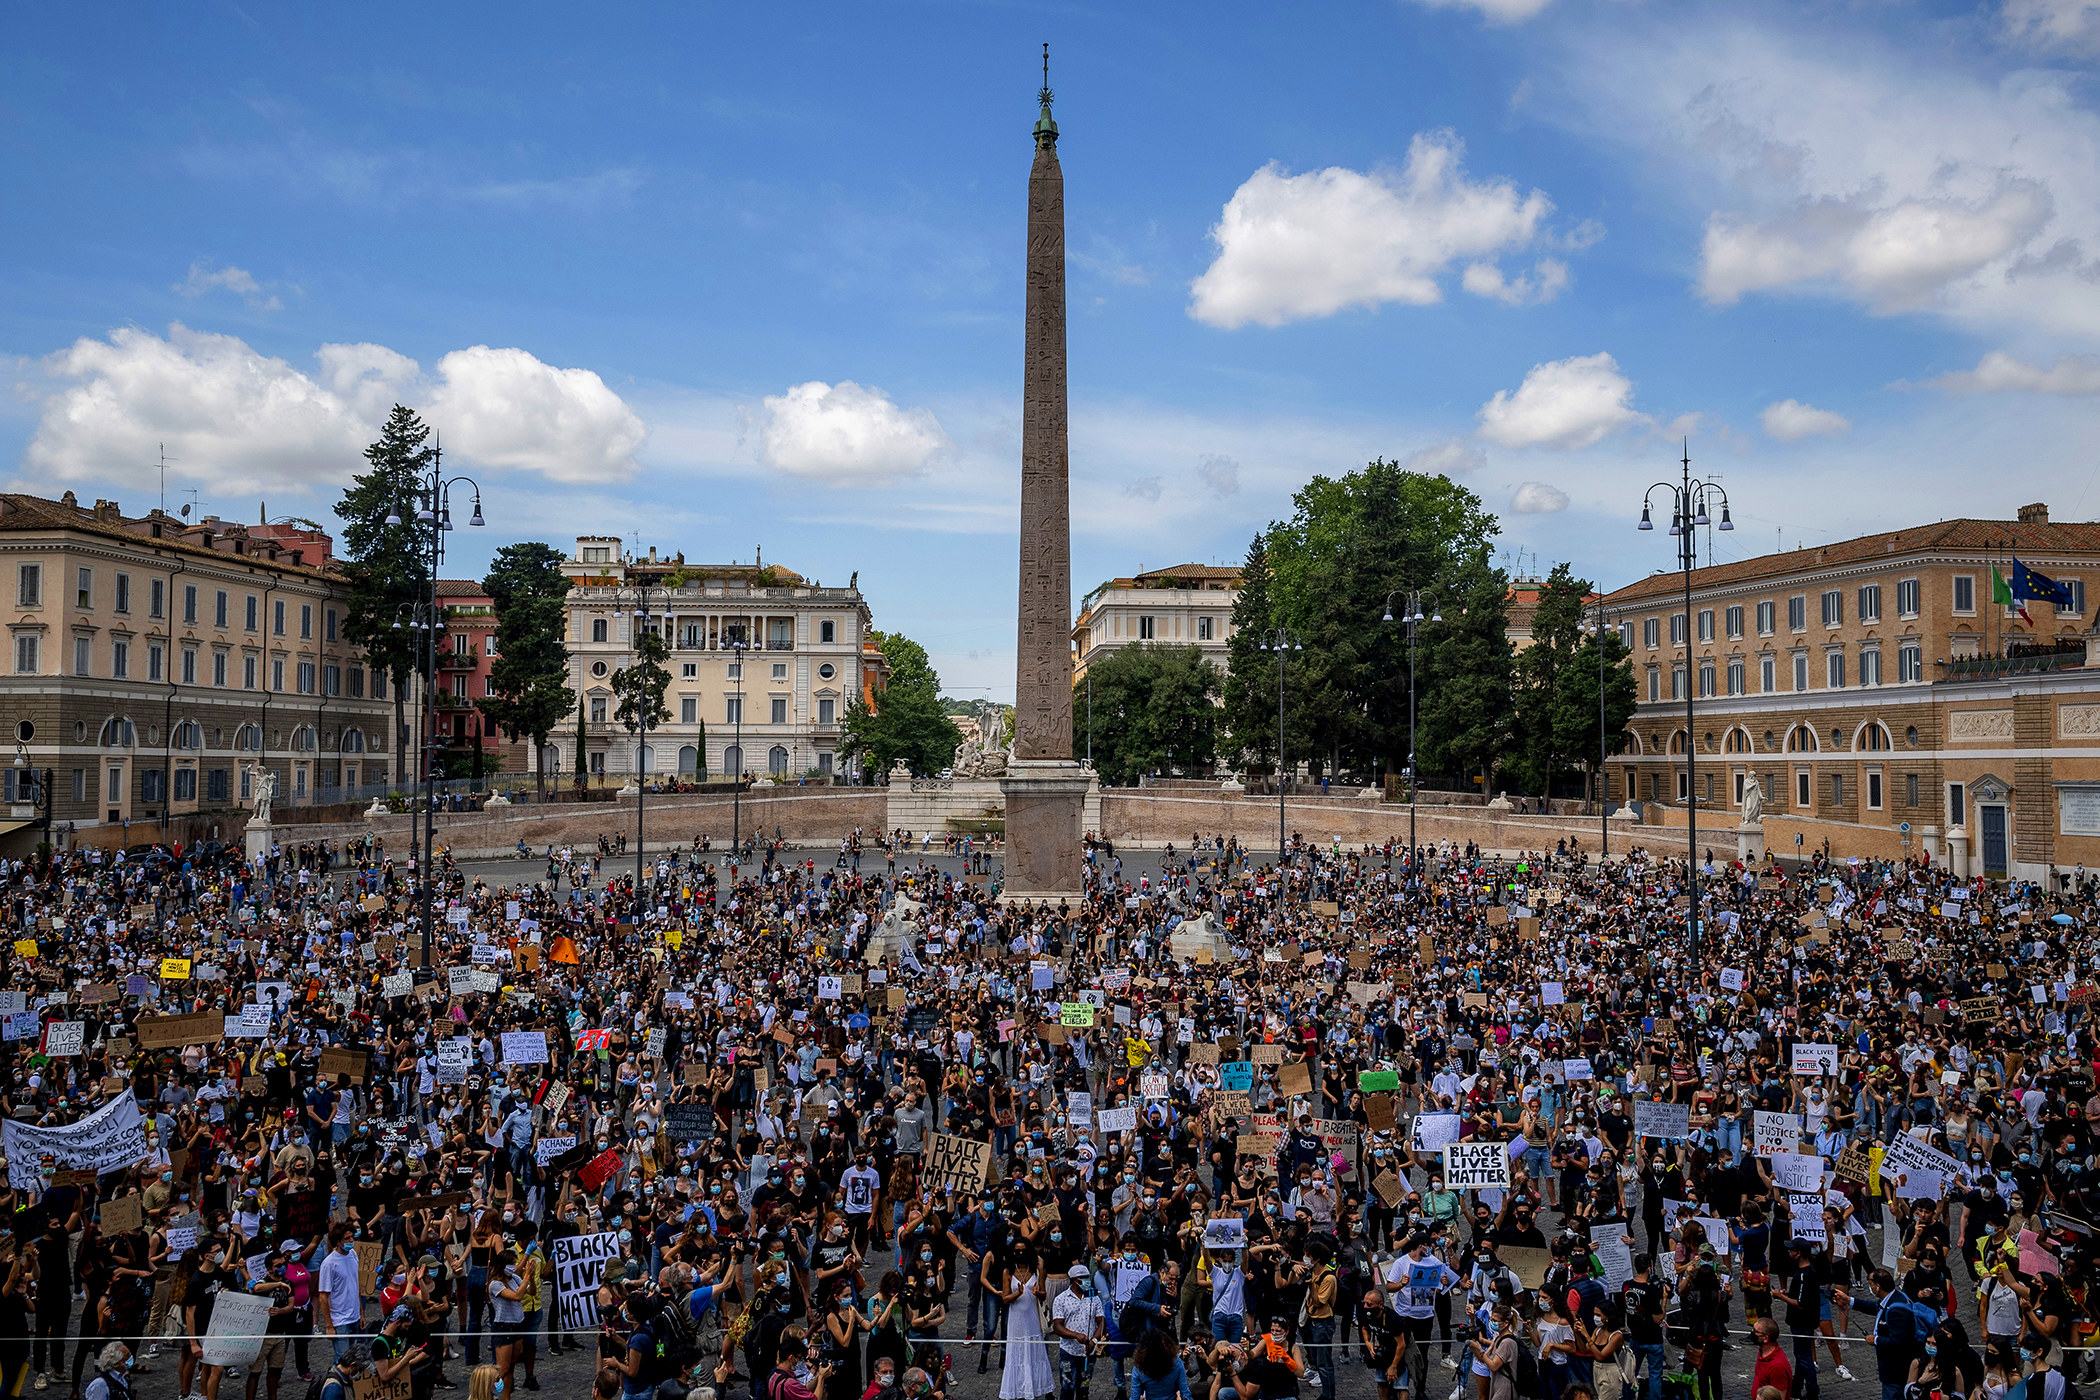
(1493, 11)
(1219, 474)
(237, 420)
(1291, 247)
(1893, 257)
(847, 435)
(1998, 372)
(239, 281)
(1454, 458)
(2072, 25)
(504, 408)
(1543, 283)
(1564, 403)
(1537, 498)
(1790, 420)
(1144, 488)
(1829, 157)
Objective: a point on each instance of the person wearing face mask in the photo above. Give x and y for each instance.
(207, 1281)
(336, 1298)
(112, 1379)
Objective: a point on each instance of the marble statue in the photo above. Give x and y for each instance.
(265, 789)
(1753, 802)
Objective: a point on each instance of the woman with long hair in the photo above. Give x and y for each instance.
(1156, 1372)
(17, 1304)
(482, 1247)
(1028, 1371)
(840, 1326)
(888, 1323)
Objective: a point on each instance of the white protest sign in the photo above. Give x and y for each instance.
(548, 1148)
(1811, 1058)
(63, 1038)
(830, 988)
(1732, 979)
(579, 1264)
(1577, 1069)
(1774, 1132)
(1797, 1172)
(235, 1336)
(1117, 1120)
(524, 1047)
(106, 1140)
(1670, 1121)
(1552, 994)
(1433, 1130)
(398, 984)
(1476, 1166)
(453, 1057)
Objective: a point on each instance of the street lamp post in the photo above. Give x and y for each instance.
(433, 508)
(738, 644)
(1597, 628)
(1411, 614)
(1280, 640)
(1690, 502)
(645, 720)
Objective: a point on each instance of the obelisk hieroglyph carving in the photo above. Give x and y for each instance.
(1044, 788)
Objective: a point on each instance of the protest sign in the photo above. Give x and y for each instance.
(1774, 1132)
(1225, 1232)
(235, 1334)
(123, 1215)
(453, 1057)
(525, 1047)
(579, 1263)
(1236, 1074)
(1578, 1068)
(1378, 1081)
(1476, 1166)
(1811, 1058)
(956, 1163)
(175, 1032)
(1671, 1122)
(65, 1038)
(690, 1122)
(1433, 1130)
(1117, 1120)
(106, 1140)
(546, 1149)
(337, 1061)
(600, 1169)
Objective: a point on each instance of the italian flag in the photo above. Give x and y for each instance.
(2002, 594)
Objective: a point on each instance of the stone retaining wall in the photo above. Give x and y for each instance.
(806, 816)
(1145, 819)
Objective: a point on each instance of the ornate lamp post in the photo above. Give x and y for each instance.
(1411, 600)
(1691, 502)
(1280, 640)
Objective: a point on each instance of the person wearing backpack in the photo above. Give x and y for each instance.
(335, 1382)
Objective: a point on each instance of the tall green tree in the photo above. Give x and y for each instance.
(1579, 726)
(1466, 713)
(1325, 574)
(529, 681)
(1155, 711)
(1249, 714)
(908, 723)
(387, 566)
(638, 690)
(1556, 639)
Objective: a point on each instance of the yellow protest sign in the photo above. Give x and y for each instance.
(174, 969)
(25, 947)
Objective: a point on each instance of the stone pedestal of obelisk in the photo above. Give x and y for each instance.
(1045, 789)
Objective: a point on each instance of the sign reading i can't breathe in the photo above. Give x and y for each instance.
(1475, 1166)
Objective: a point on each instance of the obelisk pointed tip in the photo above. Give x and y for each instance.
(1045, 124)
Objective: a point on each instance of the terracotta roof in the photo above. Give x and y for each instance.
(1194, 571)
(454, 587)
(23, 512)
(1946, 536)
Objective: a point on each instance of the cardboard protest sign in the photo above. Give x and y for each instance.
(956, 1163)
(1294, 1079)
(174, 1032)
(336, 1060)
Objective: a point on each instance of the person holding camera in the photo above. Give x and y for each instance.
(782, 1383)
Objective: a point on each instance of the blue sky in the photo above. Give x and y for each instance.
(730, 277)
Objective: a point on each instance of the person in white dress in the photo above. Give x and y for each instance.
(1029, 1374)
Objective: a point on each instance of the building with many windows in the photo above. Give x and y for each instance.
(1187, 605)
(763, 664)
(156, 665)
(467, 653)
(1872, 689)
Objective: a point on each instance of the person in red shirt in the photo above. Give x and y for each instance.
(1772, 1368)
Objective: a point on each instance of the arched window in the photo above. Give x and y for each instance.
(777, 761)
(248, 738)
(550, 759)
(118, 733)
(353, 741)
(733, 761)
(648, 760)
(1873, 737)
(303, 739)
(688, 759)
(1677, 741)
(1738, 741)
(188, 734)
(1801, 739)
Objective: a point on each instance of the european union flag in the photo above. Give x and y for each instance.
(2029, 585)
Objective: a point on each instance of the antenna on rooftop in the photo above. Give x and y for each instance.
(164, 460)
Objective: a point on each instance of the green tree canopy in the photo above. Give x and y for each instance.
(1556, 639)
(387, 566)
(908, 723)
(1325, 575)
(529, 680)
(1154, 710)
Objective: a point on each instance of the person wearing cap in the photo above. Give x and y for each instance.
(1079, 1323)
(393, 1352)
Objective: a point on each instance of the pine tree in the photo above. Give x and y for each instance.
(388, 566)
(529, 682)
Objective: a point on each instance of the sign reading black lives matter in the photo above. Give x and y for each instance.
(1475, 1166)
(956, 1163)
(579, 1264)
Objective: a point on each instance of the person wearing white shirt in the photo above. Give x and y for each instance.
(337, 1301)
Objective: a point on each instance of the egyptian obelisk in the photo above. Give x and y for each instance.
(1045, 790)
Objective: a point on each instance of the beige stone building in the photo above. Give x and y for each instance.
(1878, 697)
(157, 664)
(1186, 605)
(809, 651)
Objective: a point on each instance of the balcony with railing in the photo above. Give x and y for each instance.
(2063, 655)
(465, 660)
